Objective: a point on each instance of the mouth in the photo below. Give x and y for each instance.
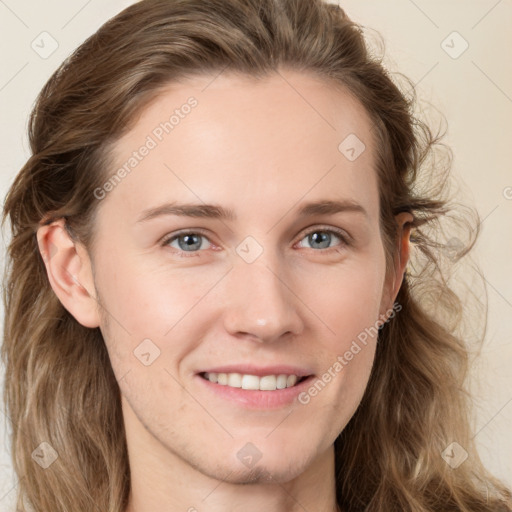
(271, 382)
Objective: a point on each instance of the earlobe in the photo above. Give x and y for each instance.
(69, 272)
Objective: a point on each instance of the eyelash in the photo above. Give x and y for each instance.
(344, 238)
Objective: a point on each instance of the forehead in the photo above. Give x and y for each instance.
(246, 142)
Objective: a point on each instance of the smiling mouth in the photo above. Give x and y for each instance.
(254, 382)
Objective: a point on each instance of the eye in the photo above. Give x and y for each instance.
(321, 238)
(192, 242)
(187, 241)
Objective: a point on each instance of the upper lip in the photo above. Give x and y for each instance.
(260, 371)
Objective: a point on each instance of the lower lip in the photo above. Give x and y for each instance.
(256, 399)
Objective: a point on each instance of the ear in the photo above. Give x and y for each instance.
(69, 271)
(394, 280)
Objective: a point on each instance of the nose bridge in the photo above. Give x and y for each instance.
(259, 302)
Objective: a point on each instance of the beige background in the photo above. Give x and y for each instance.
(473, 89)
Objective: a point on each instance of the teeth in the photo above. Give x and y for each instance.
(265, 383)
(234, 380)
(281, 381)
(250, 382)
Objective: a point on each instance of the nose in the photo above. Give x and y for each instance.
(260, 303)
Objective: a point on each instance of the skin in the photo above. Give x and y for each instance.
(261, 148)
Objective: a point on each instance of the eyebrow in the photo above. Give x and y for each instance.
(219, 212)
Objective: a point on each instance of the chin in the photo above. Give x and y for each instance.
(278, 468)
(261, 474)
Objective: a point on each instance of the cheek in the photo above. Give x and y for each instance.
(149, 301)
(155, 311)
(346, 299)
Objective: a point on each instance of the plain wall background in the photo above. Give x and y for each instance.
(472, 88)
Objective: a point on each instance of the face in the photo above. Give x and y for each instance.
(242, 250)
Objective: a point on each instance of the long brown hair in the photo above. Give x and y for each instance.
(59, 385)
